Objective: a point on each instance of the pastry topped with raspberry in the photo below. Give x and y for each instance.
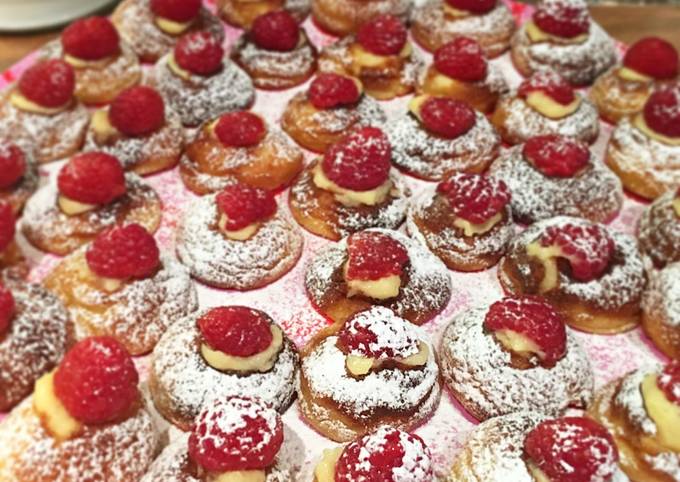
(515, 356)
(380, 56)
(623, 90)
(593, 275)
(239, 147)
(153, 27)
(440, 136)
(350, 188)
(342, 18)
(104, 64)
(552, 175)
(237, 239)
(660, 313)
(563, 37)
(659, 230)
(373, 370)
(84, 417)
(333, 105)
(242, 14)
(461, 71)
(643, 148)
(91, 193)
(18, 174)
(198, 81)
(489, 23)
(546, 104)
(222, 352)
(40, 111)
(276, 52)
(137, 129)
(378, 267)
(388, 454)
(465, 220)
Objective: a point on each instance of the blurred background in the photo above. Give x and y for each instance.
(27, 24)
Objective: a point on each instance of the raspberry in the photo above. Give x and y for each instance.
(551, 84)
(200, 53)
(372, 255)
(97, 380)
(384, 456)
(461, 59)
(360, 161)
(92, 38)
(654, 57)
(137, 111)
(276, 31)
(555, 155)
(662, 111)
(6, 309)
(563, 18)
(474, 6)
(332, 90)
(235, 434)
(474, 197)
(123, 252)
(176, 10)
(669, 381)
(240, 129)
(378, 333)
(533, 318)
(382, 35)
(50, 83)
(244, 205)
(446, 117)
(12, 164)
(236, 330)
(572, 449)
(588, 248)
(7, 224)
(92, 178)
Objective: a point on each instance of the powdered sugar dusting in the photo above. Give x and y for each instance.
(659, 231)
(393, 337)
(662, 297)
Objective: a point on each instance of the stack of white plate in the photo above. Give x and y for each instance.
(21, 15)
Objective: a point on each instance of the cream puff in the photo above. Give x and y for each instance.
(18, 174)
(238, 239)
(659, 230)
(661, 309)
(242, 13)
(378, 267)
(13, 263)
(440, 136)
(344, 17)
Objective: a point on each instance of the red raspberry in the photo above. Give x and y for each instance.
(92, 178)
(563, 18)
(474, 6)
(462, 59)
(669, 381)
(551, 84)
(330, 90)
(244, 205)
(533, 318)
(6, 309)
(277, 31)
(555, 155)
(236, 330)
(97, 381)
(588, 248)
(50, 83)
(572, 449)
(360, 161)
(240, 129)
(474, 197)
(92, 38)
(446, 117)
(384, 456)
(176, 10)
(137, 111)
(654, 57)
(382, 35)
(378, 333)
(236, 434)
(200, 53)
(372, 255)
(123, 252)
(12, 164)
(662, 111)
(7, 224)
